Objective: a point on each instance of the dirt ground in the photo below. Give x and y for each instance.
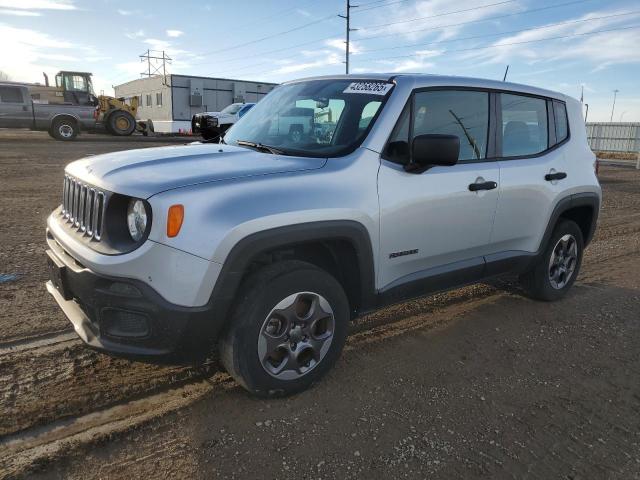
(478, 382)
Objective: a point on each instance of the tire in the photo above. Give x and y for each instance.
(556, 271)
(121, 123)
(257, 347)
(64, 129)
(209, 135)
(295, 133)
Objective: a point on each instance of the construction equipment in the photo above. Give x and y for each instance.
(76, 88)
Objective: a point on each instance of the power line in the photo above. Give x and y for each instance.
(487, 19)
(291, 47)
(488, 5)
(244, 57)
(514, 43)
(277, 34)
(568, 22)
(379, 6)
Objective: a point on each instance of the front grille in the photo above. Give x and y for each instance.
(83, 207)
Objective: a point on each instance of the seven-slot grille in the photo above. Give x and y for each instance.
(83, 207)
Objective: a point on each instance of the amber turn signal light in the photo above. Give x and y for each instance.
(174, 220)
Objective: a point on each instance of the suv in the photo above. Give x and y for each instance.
(267, 246)
(211, 125)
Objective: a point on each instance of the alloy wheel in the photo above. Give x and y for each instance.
(562, 263)
(296, 335)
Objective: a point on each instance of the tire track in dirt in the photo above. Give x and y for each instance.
(20, 450)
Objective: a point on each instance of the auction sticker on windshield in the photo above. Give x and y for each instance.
(375, 88)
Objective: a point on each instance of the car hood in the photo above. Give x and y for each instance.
(145, 172)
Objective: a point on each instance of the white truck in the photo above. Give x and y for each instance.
(212, 125)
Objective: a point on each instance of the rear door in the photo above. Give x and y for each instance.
(15, 109)
(531, 149)
(431, 223)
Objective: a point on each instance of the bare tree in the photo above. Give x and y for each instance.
(4, 76)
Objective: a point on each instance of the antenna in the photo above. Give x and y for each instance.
(504, 79)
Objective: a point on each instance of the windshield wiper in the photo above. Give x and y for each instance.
(261, 147)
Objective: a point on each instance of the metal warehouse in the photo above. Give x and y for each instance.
(171, 100)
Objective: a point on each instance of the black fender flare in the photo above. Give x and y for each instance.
(587, 199)
(247, 249)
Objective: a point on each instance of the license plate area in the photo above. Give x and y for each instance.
(57, 275)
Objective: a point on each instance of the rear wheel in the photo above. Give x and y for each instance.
(64, 129)
(121, 123)
(287, 329)
(557, 269)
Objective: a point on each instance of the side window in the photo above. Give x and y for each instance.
(560, 116)
(159, 99)
(454, 112)
(148, 100)
(10, 95)
(524, 125)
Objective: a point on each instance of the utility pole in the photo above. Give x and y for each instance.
(347, 17)
(155, 63)
(615, 94)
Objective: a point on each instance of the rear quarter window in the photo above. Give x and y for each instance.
(10, 95)
(561, 121)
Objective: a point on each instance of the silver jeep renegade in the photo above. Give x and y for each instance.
(332, 197)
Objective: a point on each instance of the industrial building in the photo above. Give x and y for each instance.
(171, 100)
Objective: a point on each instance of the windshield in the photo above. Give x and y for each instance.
(317, 118)
(233, 108)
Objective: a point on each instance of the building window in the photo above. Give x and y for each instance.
(148, 100)
(159, 99)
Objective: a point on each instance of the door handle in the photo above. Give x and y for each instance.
(549, 177)
(474, 187)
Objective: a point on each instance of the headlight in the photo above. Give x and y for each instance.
(136, 219)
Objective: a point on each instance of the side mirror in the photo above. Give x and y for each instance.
(434, 149)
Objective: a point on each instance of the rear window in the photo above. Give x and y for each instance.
(560, 115)
(10, 95)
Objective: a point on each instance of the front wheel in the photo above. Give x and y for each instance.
(287, 329)
(121, 123)
(556, 271)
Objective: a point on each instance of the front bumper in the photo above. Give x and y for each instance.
(127, 316)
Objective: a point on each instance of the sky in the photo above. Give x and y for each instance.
(564, 45)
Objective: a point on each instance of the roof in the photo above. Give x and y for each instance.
(429, 80)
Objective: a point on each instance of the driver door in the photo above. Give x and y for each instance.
(434, 230)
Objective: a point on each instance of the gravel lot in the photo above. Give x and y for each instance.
(478, 382)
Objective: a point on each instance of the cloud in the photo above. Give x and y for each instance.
(339, 43)
(329, 59)
(174, 33)
(126, 13)
(38, 4)
(429, 18)
(135, 35)
(303, 12)
(19, 13)
(602, 49)
(26, 53)
(157, 44)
